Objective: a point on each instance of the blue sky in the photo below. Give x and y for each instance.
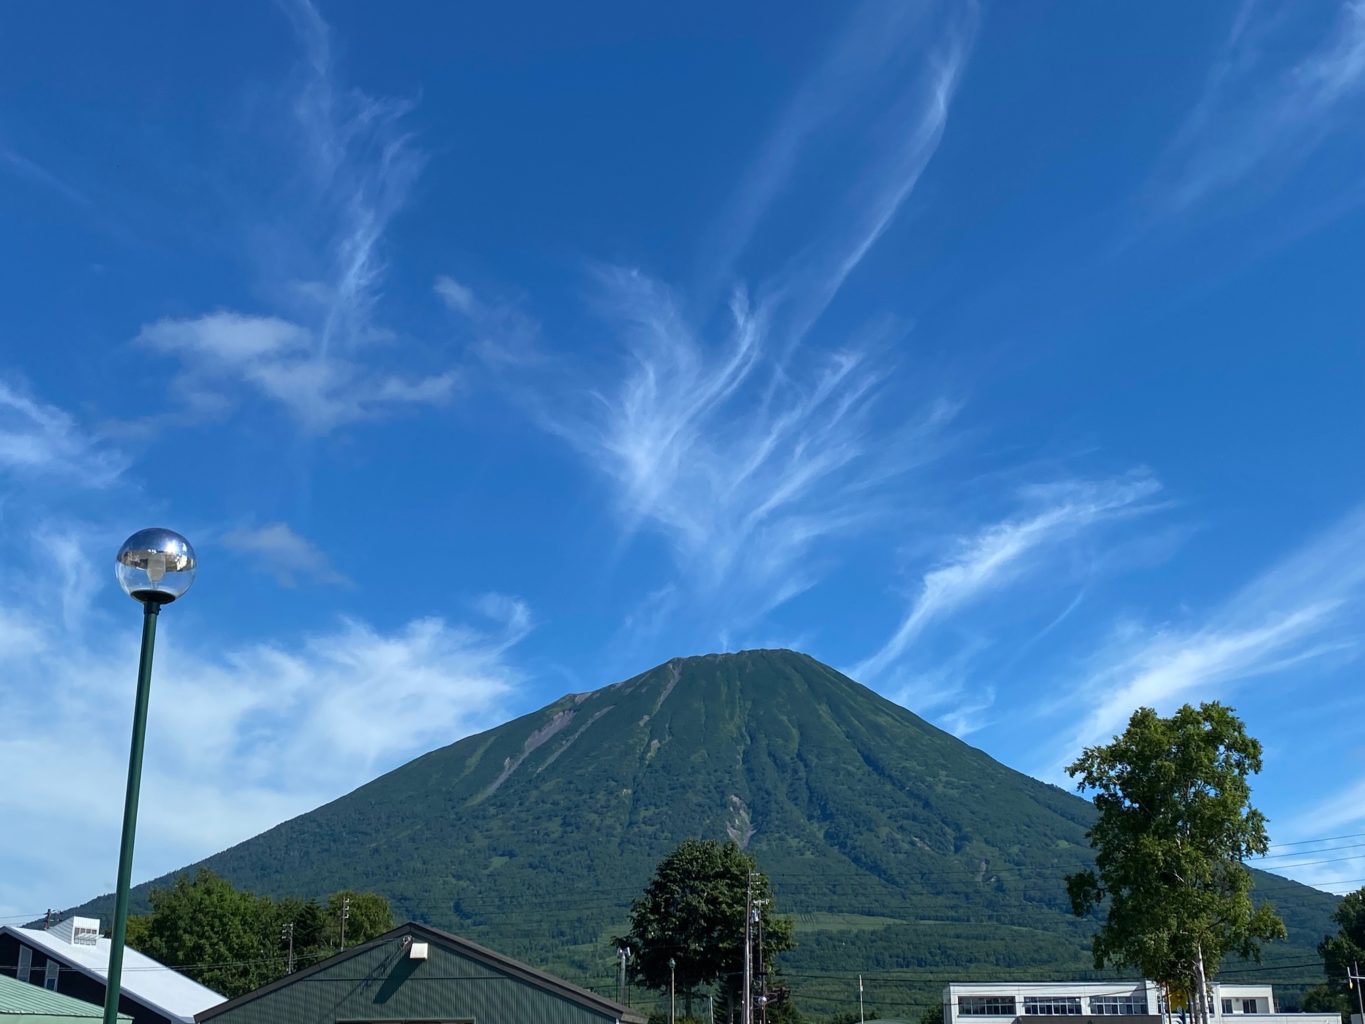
(1008, 358)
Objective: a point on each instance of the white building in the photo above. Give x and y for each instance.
(72, 958)
(978, 1003)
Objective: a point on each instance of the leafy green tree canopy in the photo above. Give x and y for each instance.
(1323, 999)
(235, 941)
(1342, 951)
(213, 932)
(692, 912)
(1175, 824)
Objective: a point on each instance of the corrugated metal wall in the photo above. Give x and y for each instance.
(382, 984)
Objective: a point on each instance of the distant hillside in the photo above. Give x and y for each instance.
(904, 853)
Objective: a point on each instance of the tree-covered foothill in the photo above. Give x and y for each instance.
(688, 925)
(1341, 954)
(235, 941)
(1175, 825)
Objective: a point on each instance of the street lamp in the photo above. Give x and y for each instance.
(154, 567)
(672, 993)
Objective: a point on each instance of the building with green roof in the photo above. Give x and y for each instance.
(24, 1003)
(416, 974)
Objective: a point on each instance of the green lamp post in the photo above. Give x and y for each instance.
(153, 567)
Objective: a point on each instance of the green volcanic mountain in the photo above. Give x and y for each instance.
(903, 853)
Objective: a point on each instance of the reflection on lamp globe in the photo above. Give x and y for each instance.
(155, 566)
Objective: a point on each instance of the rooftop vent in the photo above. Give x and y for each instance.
(78, 931)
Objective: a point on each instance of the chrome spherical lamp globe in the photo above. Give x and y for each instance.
(155, 566)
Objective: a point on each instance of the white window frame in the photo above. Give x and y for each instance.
(1052, 1006)
(50, 975)
(25, 963)
(1133, 1005)
(963, 1002)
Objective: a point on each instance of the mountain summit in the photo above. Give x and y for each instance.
(895, 844)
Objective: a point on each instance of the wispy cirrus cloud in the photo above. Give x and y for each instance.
(279, 551)
(914, 92)
(1307, 608)
(1266, 105)
(504, 336)
(323, 359)
(901, 61)
(30, 170)
(743, 463)
(362, 163)
(40, 440)
(993, 557)
(745, 449)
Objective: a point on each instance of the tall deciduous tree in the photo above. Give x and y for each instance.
(1175, 824)
(217, 934)
(692, 913)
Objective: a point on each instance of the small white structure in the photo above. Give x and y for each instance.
(978, 1003)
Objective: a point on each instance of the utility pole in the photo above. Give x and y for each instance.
(345, 913)
(624, 954)
(758, 953)
(287, 933)
(672, 993)
(1353, 979)
(713, 1008)
(860, 999)
(746, 1009)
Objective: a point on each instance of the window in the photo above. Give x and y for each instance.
(1249, 1006)
(25, 962)
(985, 1006)
(1052, 1006)
(50, 975)
(1227, 1006)
(1119, 1006)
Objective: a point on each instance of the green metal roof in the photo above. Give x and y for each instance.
(33, 1004)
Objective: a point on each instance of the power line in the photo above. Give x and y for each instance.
(1301, 853)
(1324, 839)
